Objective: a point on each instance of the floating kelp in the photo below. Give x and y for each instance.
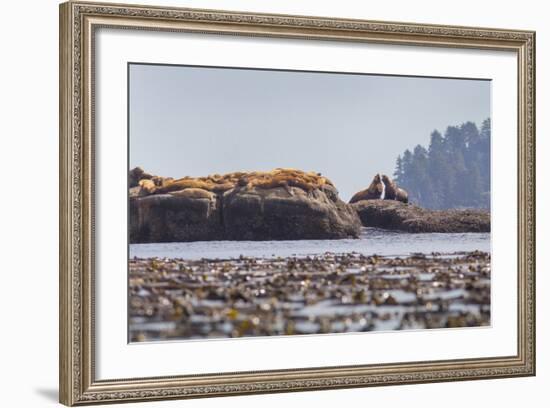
(328, 293)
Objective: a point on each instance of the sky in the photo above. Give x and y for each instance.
(195, 121)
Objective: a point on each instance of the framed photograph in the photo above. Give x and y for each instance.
(255, 203)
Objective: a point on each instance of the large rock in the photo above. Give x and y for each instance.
(175, 218)
(247, 207)
(287, 213)
(395, 215)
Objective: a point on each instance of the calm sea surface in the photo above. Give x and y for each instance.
(372, 241)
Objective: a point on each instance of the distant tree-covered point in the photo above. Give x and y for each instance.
(454, 172)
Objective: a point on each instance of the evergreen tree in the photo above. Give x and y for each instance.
(455, 170)
(419, 174)
(438, 169)
(485, 148)
(406, 163)
(398, 173)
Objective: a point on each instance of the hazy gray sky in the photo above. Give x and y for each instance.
(199, 121)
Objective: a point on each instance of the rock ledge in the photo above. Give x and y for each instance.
(395, 215)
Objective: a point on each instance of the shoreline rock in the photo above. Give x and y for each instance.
(284, 204)
(395, 215)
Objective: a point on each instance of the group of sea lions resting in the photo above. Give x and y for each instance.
(381, 188)
(219, 183)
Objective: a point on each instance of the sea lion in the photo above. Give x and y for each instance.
(134, 176)
(393, 192)
(196, 193)
(401, 195)
(373, 192)
(147, 185)
(243, 181)
(391, 187)
(161, 181)
(222, 187)
(184, 183)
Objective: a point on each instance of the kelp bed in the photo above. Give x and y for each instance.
(330, 293)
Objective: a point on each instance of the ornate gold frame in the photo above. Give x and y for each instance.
(78, 20)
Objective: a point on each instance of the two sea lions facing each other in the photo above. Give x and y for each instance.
(374, 191)
(381, 188)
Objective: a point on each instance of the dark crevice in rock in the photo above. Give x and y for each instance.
(220, 203)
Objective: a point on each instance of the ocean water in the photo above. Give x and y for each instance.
(372, 241)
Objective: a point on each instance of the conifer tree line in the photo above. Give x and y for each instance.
(454, 172)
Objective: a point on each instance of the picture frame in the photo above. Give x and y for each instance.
(79, 24)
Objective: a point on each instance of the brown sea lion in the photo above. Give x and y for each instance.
(243, 181)
(193, 193)
(147, 185)
(161, 181)
(401, 195)
(393, 192)
(134, 176)
(184, 183)
(391, 187)
(373, 192)
(221, 187)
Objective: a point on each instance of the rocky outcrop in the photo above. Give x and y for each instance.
(278, 205)
(287, 213)
(385, 205)
(175, 217)
(395, 215)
